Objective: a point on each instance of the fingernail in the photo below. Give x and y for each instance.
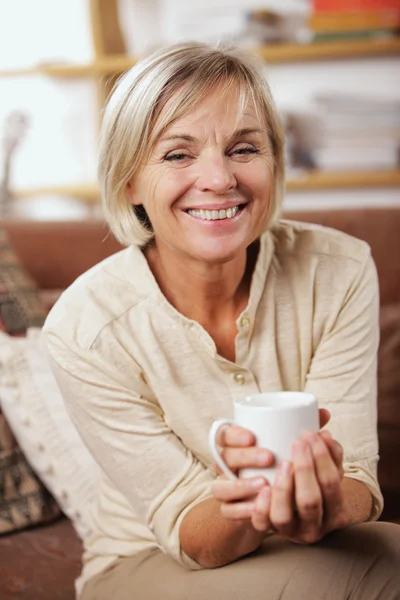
(311, 437)
(245, 439)
(257, 484)
(262, 456)
(264, 497)
(283, 473)
(285, 467)
(298, 447)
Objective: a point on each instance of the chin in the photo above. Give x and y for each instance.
(218, 253)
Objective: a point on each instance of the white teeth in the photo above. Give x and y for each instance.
(214, 215)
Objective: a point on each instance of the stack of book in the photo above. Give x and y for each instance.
(354, 19)
(358, 133)
(275, 25)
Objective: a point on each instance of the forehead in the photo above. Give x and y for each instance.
(228, 109)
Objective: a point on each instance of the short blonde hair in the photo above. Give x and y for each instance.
(131, 123)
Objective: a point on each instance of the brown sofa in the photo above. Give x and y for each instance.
(41, 564)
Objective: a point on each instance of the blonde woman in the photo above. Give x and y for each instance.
(214, 298)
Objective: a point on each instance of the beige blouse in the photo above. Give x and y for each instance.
(144, 383)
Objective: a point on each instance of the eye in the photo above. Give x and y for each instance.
(176, 157)
(244, 150)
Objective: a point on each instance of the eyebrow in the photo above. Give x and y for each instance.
(189, 138)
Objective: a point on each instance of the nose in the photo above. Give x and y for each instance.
(215, 175)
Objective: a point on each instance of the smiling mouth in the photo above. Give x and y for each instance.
(215, 215)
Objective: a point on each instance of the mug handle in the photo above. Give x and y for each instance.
(214, 448)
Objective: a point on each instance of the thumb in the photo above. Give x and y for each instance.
(324, 417)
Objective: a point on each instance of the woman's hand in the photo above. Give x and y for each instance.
(306, 500)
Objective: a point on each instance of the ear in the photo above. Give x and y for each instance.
(131, 193)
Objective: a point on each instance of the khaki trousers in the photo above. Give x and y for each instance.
(358, 563)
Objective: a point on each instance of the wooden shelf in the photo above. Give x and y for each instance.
(278, 53)
(54, 70)
(331, 181)
(87, 192)
(114, 64)
(310, 181)
(329, 50)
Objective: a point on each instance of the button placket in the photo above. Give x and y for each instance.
(242, 383)
(239, 378)
(245, 322)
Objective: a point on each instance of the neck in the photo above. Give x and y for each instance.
(205, 293)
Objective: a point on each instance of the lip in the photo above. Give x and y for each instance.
(218, 222)
(215, 206)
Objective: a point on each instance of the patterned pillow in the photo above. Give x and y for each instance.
(24, 501)
(20, 307)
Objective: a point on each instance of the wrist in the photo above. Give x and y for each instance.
(358, 500)
(214, 541)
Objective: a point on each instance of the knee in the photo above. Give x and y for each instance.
(380, 561)
(376, 546)
(382, 536)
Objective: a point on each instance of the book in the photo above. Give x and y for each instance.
(332, 22)
(349, 6)
(369, 34)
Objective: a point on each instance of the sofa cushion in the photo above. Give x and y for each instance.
(24, 501)
(389, 408)
(40, 564)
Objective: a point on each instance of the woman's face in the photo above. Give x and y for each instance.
(207, 184)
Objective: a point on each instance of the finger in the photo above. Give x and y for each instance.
(282, 516)
(233, 435)
(324, 417)
(225, 490)
(335, 449)
(308, 496)
(218, 470)
(248, 457)
(328, 476)
(260, 515)
(237, 511)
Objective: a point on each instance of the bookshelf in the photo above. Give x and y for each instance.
(274, 54)
(110, 60)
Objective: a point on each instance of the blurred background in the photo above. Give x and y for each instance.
(333, 66)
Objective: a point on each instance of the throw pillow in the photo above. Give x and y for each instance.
(20, 307)
(24, 501)
(35, 410)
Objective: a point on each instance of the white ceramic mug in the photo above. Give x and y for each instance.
(277, 419)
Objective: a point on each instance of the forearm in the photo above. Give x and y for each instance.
(358, 500)
(213, 541)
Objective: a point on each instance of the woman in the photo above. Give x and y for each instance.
(216, 298)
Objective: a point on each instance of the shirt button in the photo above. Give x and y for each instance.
(239, 378)
(244, 322)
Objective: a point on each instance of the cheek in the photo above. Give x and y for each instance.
(147, 188)
(177, 181)
(258, 177)
(168, 185)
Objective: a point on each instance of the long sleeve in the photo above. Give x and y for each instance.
(343, 376)
(129, 438)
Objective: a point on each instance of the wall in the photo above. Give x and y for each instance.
(60, 145)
